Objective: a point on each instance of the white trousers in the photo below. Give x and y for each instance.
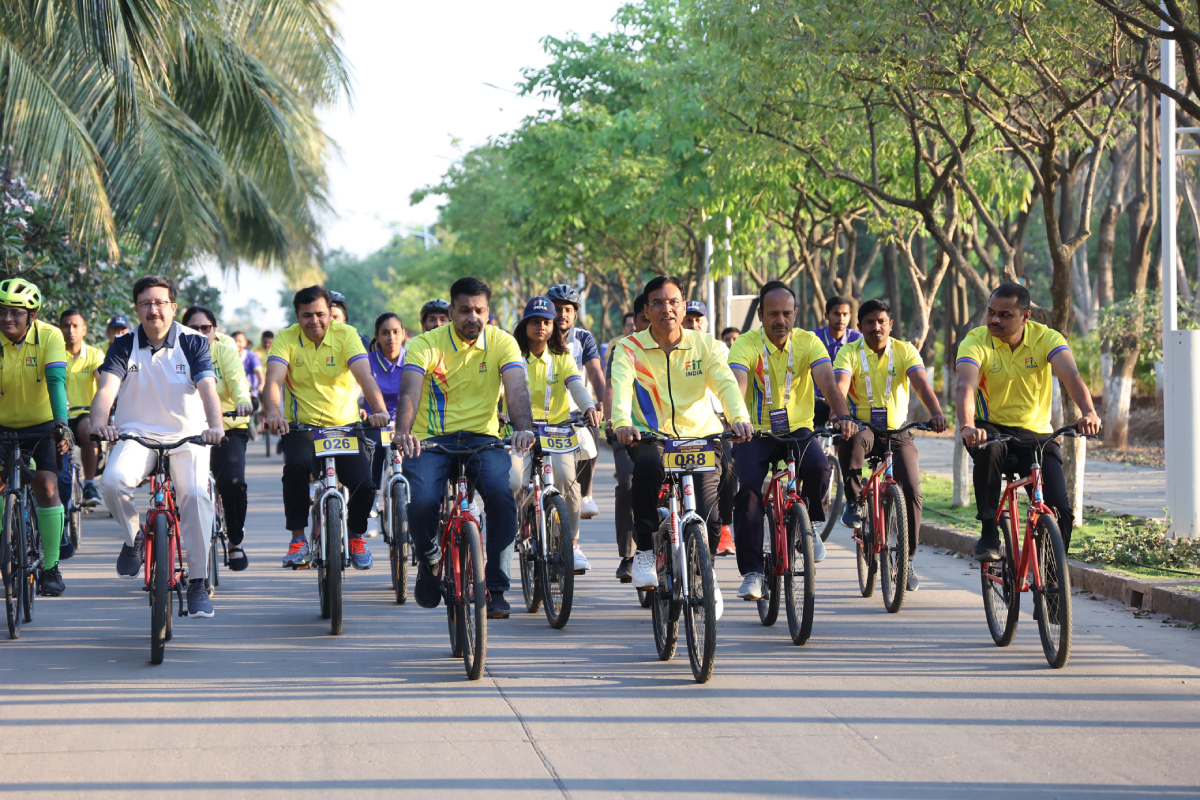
(129, 464)
(563, 466)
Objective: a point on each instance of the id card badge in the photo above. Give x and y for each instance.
(779, 422)
(879, 417)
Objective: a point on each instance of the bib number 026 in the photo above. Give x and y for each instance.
(334, 443)
(689, 455)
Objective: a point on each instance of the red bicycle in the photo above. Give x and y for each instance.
(884, 527)
(788, 561)
(1041, 552)
(462, 567)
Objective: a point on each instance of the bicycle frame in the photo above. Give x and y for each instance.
(163, 504)
(460, 513)
(395, 476)
(781, 496)
(329, 486)
(675, 485)
(875, 488)
(1024, 555)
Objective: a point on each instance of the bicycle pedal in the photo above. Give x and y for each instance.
(581, 572)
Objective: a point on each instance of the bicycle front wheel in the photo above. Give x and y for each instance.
(1053, 602)
(75, 513)
(472, 603)
(11, 546)
(531, 577)
(834, 500)
(664, 611)
(214, 578)
(399, 547)
(800, 580)
(160, 587)
(768, 604)
(558, 562)
(865, 557)
(1001, 600)
(33, 561)
(332, 565)
(894, 551)
(700, 606)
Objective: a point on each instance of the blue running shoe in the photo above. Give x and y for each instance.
(298, 555)
(199, 603)
(360, 554)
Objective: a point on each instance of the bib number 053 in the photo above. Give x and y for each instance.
(557, 438)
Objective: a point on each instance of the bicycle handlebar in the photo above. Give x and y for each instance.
(920, 426)
(1070, 431)
(162, 447)
(658, 436)
(826, 432)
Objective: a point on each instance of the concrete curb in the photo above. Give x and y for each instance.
(1140, 593)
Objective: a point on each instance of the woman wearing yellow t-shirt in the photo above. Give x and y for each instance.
(551, 372)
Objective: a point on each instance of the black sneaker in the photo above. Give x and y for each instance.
(428, 589)
(237, 558)
(498, 607)
(852, 515)
(65, 548)
(987, 550)
(625, 571)
(51, 583)
(129, 565)
(199, 604)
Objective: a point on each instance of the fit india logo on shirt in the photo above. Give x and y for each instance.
(483, 366)
(330, 361)
(180, 369)
(31, 361)
(692, 368)
(1030, 364)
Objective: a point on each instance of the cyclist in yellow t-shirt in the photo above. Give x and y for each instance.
(82, 362)
(448, 395)
(1004, 374)
(315, 366)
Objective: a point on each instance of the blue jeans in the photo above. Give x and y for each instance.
(488, 473)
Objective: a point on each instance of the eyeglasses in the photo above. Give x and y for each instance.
(157, 305)
(659, 305)
(13, 313)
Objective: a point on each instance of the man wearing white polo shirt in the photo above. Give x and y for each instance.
(163, 375)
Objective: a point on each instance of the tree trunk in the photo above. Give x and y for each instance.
(891, 287)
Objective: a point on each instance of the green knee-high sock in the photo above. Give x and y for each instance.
(50, 525)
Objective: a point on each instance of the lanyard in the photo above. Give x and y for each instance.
(787, 386)
(887, 392)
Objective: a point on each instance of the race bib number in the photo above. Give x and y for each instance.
(689, 455)
(334, 443)
(557, 438)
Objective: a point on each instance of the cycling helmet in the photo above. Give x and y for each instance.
(564, 292)
(337, 297)
(434, 307)
(20, 293)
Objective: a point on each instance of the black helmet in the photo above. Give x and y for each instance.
(434, 307)
(564, 292)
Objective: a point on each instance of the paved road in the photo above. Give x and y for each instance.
(1120, 488)
(261, 701)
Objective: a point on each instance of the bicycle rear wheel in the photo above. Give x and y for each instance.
(700, 606)
(1001, 600)
(33, 559)
(160, 587)
(531, 576)
(768, 604)
(472, 605)
(332, 566)
(834, 500)
(399, 548)
(894, 552)
(1053, 602)
(866, 559)
(800, 580)
(11, 546)
(664, 610)
(558, 562)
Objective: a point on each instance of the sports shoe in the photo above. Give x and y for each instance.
(852, 515)
(581, 562)
(199, 603)
(498, 607)
(91, 496)
(588, 508)
(298, 555)
(818, 549)
(751, 588)
(644, 575)
(65, 548)
(129, 566)
(914, 582)
(987, 549)
(725, 545)
(625, 570)
(51, 583)
(720, 601)
(360, 554)
(428, 591)
(237, 558)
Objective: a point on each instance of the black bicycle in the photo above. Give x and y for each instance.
(20, 544)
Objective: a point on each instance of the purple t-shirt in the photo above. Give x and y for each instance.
(250, 363)
(387, 375)
(832, 345)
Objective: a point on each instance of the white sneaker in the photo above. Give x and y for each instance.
(581, 562)
(372, 527)
(818, 548)
(720, 600)
(588, 508)
(644, 574)
(751, 588)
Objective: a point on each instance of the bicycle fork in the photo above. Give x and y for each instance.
(331, 487)
(396, 477)
(677, 521)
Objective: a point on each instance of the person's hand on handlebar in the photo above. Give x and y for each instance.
(973, 437)
(847, 428)
(743, 431)
(108, 433)
(277, 424)
(410, 444)
(244, 409)
(522, 441)
(380, 420)
(1089, 423)
(628, 435)
(938, 423)
(212, 435)
(592, 417)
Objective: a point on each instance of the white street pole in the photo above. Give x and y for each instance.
(710, 294)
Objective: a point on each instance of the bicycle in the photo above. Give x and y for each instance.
(220, 532)
(20, 542)
(835, 496)
(394, 521)
(162, 551)
(75, 509)
(1005, 580)
(884, 512)
(544, 532)
(788, 545)
(686, 583)
(462, 566)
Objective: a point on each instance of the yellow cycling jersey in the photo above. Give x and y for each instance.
(746, 355)
(319, 389)
(904, 360)
(232, 386)
(81, 378)
(24, 395)
(460, 381)
(653, 391)
(1014, 385)
(561, 370)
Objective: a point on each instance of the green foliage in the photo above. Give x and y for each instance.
(1131, 542)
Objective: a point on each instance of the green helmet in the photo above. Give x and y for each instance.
(20, 293)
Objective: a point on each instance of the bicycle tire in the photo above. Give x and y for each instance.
(768, 604)
(558, 563)
(700, 608)
(160, 588)
(10, 568)
(214, 578)
(531, 576)
(1053, 602)
(664, 617)
(75, 512)
(1001, 600)
(399, 548)
(314, 543)
(472, 605)
(866, 559)
(334, 568)
(33, 559)
(893, 577)
(645, 597)
(802, 569)
(834, 500)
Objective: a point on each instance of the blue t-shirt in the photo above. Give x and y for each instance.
(582, 345)
(832, 345)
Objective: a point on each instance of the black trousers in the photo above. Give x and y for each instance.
(623, 500)
(906, 467)
(228, 466)
(729, 484)
(988, 477)
(648, 475)
(300, 465)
